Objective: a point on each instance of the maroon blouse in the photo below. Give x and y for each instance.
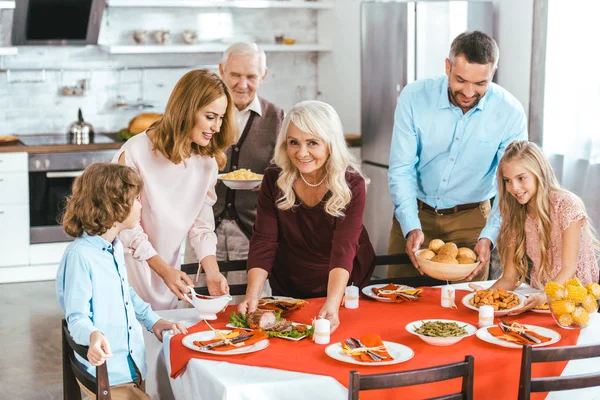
(298, 247)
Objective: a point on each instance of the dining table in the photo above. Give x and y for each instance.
(301, 369)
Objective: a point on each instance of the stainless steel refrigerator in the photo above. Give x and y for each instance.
(401, 42)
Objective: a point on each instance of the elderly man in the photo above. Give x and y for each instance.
(243, 69)
(449, 135)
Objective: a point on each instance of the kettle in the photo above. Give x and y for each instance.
(80, 131)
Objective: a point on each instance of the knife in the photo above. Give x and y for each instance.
(222, 342)
(504, 324)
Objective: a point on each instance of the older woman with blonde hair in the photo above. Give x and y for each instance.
(308, 238)
(178, 158)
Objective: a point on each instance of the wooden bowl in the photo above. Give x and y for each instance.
(442, 271)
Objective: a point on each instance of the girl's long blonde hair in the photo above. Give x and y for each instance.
(514, 214)
(195, 90)
(320, 120)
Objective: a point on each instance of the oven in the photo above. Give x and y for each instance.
(51, 176)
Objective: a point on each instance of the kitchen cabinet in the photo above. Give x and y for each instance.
(14, 210)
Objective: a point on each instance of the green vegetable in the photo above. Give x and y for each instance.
(238, 320)
(441, 329)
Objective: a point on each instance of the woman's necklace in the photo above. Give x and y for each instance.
(312, 184)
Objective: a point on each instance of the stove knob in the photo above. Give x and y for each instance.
(46, 163)
(37, 164)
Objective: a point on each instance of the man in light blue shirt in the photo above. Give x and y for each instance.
(449, 135)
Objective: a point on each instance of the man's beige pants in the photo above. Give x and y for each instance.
(462, 228)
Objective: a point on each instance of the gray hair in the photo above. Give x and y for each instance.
(477, 47)
(246, 49)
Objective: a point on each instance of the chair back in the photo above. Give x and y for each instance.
(73, 370)
(462, 369)
(387, 259)
(528, 385)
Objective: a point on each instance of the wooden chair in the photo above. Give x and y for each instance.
(240, 265)
(528, 385)
(73, 369)
(462, 369)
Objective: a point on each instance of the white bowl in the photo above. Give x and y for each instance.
(208, 306)
(499, 313)
(440, 341)
(443, 271)
(240, 184)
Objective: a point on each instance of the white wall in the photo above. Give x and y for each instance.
(338, 78)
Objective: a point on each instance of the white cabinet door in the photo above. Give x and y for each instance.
(14, 235)
(14, 188)
(13, 162)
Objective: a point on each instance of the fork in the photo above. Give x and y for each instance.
(355, 343)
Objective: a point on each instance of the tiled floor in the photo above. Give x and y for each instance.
(30, 358)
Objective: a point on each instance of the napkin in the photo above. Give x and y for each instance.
(398, 297)
(371, 340)
(514, 337)
(257, 337)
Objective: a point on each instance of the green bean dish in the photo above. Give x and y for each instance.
(441, 329)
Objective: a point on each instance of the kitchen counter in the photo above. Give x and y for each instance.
(63, 148)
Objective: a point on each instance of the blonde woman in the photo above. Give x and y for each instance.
(308, 238)
(542, 221)
(178, 158)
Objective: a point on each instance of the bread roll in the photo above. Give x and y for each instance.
(444, 259)
(435, 245)
(449, 248)
(466, 252)
(465, 260)
(427, 254)
(141, 122)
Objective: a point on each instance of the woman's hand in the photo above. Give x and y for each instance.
(532, 301)
(217, 284)
(99, 349)
(248, 305)
(177, 281)
(475, 287)
(330, 311)
(163, 325)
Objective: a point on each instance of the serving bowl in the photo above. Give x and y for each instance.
(240, 184)
(497, 313)
(442, 271)
(571, 314)
(208, 306)
(439, 340)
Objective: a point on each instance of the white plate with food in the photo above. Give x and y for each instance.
(500, 312)
(368, 291)
(542, 309)
(441, 332)
(241, 179)
(204, 336)
(399, 353)
(486, 336)
(294, 335)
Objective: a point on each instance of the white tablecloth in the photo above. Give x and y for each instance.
(211, 380)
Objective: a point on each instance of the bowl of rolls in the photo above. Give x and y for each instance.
(446, 261)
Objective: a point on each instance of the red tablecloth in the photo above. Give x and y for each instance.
(496, 367)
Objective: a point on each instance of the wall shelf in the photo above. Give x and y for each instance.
(208, 48)
(220, 3)
(8, 51)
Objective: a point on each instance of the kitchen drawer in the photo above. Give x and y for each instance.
(14, 188)
(13, 162)
(14, 235)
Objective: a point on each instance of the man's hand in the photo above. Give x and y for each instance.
(163, 325)
(414, 240)
(99, 349)
(177, 281)
(483, 249)
(217, 284)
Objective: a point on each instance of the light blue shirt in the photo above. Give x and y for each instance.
(94, 293)
(444, 157)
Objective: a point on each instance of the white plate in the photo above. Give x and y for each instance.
(498, 313)
(440, 341)
(541, 311)
(368, 291)
(240, 184)
(188, 342)
(484, 335)
(280, 337)
(398, 351)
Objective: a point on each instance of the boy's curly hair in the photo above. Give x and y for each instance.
(102, 196)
